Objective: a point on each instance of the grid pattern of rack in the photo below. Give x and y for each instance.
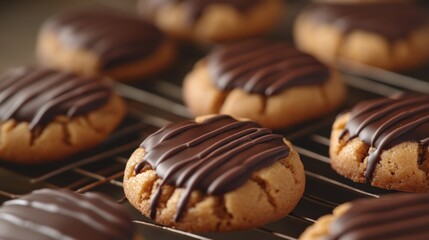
(102, 168)
(155, 104)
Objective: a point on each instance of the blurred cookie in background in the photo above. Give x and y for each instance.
(390, 35)
(213, 21)
(103, 42)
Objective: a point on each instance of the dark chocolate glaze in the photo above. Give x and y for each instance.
(384, 123)
(37, 95)
(115, 37)
(263, 67)
(397, 216)
(215, 156)
(59, 214)
(391, 20)
(196, 8)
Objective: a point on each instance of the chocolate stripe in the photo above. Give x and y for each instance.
(263, 67)
(385, 123)
(398, 216)
(215, 156)
(36, 95)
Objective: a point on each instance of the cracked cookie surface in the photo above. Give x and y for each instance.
(214, 174)
(384, 142)
(48, 115)
(268, 82)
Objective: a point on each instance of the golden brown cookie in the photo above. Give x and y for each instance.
(396, 216)
(212, 21)
(268, 82)
(61, 214)
(47, 115)
(104, 42)
(214, 174)
(384, 142)
(390, 35)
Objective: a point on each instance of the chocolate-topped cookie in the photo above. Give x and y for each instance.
(269, 82)
(47, 115)
(90, 41)
(384, 142)
(214, 174)
(387, 35)
(396, 216)
(214, 20)
(61, 214)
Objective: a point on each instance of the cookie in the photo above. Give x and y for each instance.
(390, 35)
(61, 214)
(384, 142)
(212, 21)
(396, 216)
(268, 82)
(46, 115)
(103, 42)
(214, 174)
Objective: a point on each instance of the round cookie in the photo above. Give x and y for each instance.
(268, 82)
(47, 115)
(212, 21)
(396, 216)
(390, 35)
(61, 214)
(214, 174)
(384, 142)
(91, 42)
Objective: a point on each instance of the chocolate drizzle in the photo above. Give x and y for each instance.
(53, 214)
(384, 123)
(196, 8)
(391, 20)
(397, 216)
(38, 95)
(263, 67)
(215, 156)
(116, 38)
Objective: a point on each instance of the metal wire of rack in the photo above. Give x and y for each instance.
(153, 105)
(101, 169)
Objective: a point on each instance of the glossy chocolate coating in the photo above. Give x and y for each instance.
(397, 216)
(215, 156)
(38, 95)
(264, 67)
(116, 38)
(196, 8)
(384, 123)
(391, 20)
(60, 214)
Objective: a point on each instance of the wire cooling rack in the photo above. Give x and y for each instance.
(151, 106)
